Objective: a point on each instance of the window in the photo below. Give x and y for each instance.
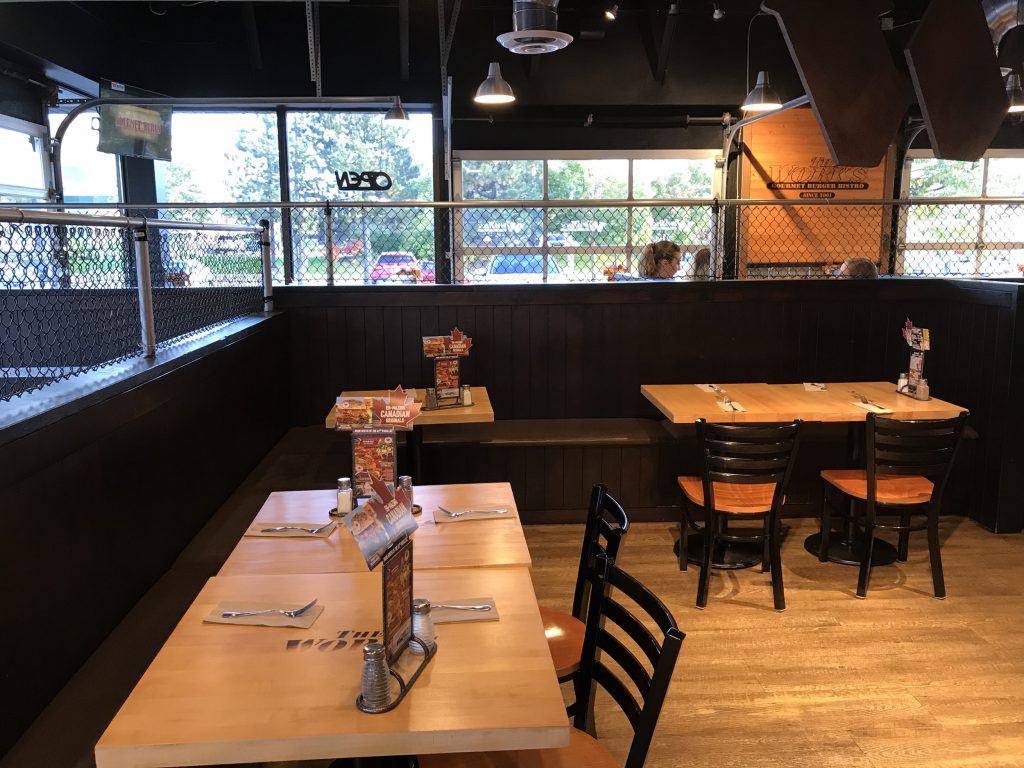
(558, 243)
(24, 172)
(89, 176)
(964, 238)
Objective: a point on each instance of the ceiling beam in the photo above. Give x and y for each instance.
(665, 50)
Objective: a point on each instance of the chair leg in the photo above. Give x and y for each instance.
(766, 547)
(865, 563)
(826, 523)
(903, 547)
(684, 534)
(709, 547)
(775, 548)
(933, 552)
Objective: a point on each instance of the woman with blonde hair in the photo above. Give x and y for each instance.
(660, 260)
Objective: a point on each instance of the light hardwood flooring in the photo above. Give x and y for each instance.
(899, 680)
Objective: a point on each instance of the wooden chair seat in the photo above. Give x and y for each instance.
(891, 489)
(737, 498)
(583, 752)
(565, 640)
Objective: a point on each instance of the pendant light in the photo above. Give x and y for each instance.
(494, 89)
(611, 12)
(396, 112)
(1015, 94)
(763, 97)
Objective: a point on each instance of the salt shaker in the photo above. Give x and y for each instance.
(405, 483)
(422, 626)
(375, 684)
(344, 497)
(922, 390)
(430, 401)
(903, 383)
(467, 395)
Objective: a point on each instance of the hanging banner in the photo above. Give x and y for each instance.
(134, 131)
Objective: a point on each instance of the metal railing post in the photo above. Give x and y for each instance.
(268, 278)
(145, 292)
(329, 244)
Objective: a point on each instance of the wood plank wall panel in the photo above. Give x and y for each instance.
(96, 506)
(584, 351)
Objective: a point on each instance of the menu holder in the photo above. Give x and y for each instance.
(396, 589)
(445, 351)
(919, 341)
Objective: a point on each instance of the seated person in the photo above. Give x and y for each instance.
(857, 267)
(701, 269)
(660, 260)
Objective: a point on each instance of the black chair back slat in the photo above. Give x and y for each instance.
(632, 627)
(736, 465)
(761, 432)
(917, 428)
(733, 448)
(938, 456)
(914, 441)
(909, 469)
(602, 611)
(750, 479)
(607, 523)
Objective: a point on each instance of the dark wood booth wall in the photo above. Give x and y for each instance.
(96, 506)
(548, 352)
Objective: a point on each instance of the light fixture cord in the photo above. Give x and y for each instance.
(750, 26)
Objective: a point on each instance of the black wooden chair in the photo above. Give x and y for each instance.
(745, 471)
(907, 467)
(607, 523)
(604, 612)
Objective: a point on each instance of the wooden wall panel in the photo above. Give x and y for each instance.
(786, 158)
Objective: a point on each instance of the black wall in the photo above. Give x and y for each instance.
(584, 351)
(96, 506)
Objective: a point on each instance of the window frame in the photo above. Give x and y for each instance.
(42, 135)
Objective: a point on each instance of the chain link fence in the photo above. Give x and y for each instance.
(71, 289)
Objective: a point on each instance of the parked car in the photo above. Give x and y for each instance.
(396, 266)
(427, 272)
(521, 268)
(558, 240)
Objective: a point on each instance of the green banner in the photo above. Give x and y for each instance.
(136, 131)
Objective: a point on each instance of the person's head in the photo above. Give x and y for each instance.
(702, 264)
(660, 259)
(858, 267)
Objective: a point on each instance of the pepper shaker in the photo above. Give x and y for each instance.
(405, 483)
(422, 627)
(344, 498)
(430, 401)
(921, 393)
(375, 684)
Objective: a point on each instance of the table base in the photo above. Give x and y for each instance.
(847, 552)
(728, 555)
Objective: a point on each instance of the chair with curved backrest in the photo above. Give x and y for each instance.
(607, 523)
(604, 613)
(745, 471)
(907, 467)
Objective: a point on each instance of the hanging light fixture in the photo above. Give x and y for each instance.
(494, 89)
(1015, 94)
(763, 97)
(611, 12)
(396, 112)
(718, 13)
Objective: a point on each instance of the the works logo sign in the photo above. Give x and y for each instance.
(346, 638)
(819, 179)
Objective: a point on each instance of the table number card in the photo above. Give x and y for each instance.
(396, 584)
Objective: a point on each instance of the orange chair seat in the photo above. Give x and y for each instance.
(565, 640)
(890, 489)
(738, 498)
(583, 752)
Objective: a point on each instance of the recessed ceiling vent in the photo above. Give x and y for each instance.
(534, 28)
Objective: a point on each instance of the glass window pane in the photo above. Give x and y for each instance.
(322, 143)
(22, 164)
(667, 179)
(931, 177)
(220, 157)
(943, 224)
(89, 176)
(1005, 177)
(587, 179)
(502, 179)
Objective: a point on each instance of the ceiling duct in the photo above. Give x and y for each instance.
(534, 28)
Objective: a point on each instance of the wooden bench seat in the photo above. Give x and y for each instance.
(532, 433)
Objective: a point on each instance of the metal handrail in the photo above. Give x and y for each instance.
(22, 216)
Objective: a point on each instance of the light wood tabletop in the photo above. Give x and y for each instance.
(479, 411)
(466, 544)
(685, 403)
(221, 693)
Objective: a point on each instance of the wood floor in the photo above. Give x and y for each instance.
(899, 680)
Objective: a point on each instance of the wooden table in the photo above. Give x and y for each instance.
(685, 403)
(472, 543)
(480, 410)
(219, 693)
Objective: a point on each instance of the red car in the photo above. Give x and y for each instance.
(401, 266)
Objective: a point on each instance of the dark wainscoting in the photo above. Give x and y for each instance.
(96, 506)
(583, 351)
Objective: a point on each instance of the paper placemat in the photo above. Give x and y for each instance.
(732, 407)
(712, 388)
(260, 529)
(305, 621)
(477, 512)
(813, 386)
(457, 615)
(871, 407)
